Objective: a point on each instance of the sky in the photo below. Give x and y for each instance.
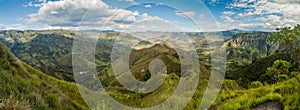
(149, 15)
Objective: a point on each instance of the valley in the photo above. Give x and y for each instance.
(47, 57)
(149, 55)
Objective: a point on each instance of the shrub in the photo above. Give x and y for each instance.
(230, 85)
(282, 77)
(256, 84)
(294, 74)
(282, 65)
(278, 72)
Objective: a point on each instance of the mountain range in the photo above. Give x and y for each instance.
(41, 74)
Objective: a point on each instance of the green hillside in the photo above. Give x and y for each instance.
(245, 48)
(248, 85)
(139, 63)
(45, 92)
(256, 70)
(20, 82)
(254, 88)
(286, 94)
(268, 83)
(48, 50)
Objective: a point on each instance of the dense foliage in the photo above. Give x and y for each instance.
(290, 38)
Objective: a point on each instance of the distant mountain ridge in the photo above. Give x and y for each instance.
(97, 31)
(50, 50)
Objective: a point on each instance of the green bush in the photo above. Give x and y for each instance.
(256, 84)
(257, 70)
(294, 74)
(283, 77)
(230, 85)
(278, 72)
(282, 65)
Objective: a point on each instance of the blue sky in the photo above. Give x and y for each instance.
(156, 15)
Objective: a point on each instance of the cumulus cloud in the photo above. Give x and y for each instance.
(88, 14)
(267, 14)
(185, 14)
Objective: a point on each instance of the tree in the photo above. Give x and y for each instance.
(290, 38)
(278, 72)
(282, 66)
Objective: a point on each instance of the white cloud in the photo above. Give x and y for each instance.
(228, 19)
(264, 14)
(95, 14)
(12, 26)
(213, 1)
(43, 1)
(19, 19)
(185, 14)
(148, 6)
(131, 1)
(229, 13)
(30, 4)
(286, 1)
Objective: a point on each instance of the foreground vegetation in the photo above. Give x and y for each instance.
(286, 92)
(23, 86)
(271, 79)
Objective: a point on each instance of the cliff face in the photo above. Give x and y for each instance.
(245, 48)
(260, 42)
(250, 39)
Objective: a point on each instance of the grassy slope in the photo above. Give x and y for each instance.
(287, 93)
(45, 92)
(42, 91)
(139, 60)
